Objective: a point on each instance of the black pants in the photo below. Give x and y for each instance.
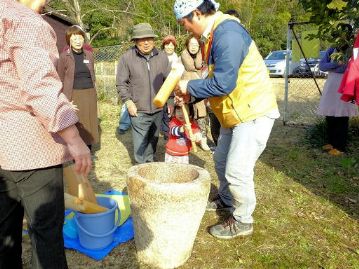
(40, 194)
(165, 122)
(337, 130)
(215, 127)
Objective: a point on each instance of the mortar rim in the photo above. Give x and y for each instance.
(203, 174)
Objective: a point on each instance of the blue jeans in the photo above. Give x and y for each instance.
(236, 154)
(145, 133)
(125, 121)
(40, 194)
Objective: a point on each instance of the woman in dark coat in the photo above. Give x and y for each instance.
(76, 71)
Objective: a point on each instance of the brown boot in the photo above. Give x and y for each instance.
(327, 147)
(335, 152)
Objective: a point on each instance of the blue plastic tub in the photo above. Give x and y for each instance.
(94, 241)
(100, 223)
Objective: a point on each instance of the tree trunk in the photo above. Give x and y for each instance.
(74, 10)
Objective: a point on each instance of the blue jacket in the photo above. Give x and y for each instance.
(238, 86)
(326, 64)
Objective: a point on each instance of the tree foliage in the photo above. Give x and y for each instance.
(110, 21)
(329, 15)
(267, 22)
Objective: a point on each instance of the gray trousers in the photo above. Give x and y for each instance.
(236, 154)
(145, 132)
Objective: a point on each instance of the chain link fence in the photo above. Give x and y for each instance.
(303, 83)
(106, 60)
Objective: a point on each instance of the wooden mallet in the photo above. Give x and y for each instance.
(165, 91)
(168, 85)
(80, 195)
(78, 185)
(83, 206)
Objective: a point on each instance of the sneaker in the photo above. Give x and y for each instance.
(327, 147)
(335, 152)
(231, 228)
(217, 204)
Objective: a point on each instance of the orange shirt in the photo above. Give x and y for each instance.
(32, 107)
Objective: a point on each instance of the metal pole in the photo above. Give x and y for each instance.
(286, 84)
(306, 61)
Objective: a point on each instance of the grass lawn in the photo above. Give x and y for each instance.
(307, 204)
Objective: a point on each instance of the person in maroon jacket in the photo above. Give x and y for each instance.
(179, 142)
(77, 72)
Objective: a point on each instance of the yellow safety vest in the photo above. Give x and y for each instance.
(253, 95)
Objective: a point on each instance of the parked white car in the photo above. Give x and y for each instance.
(276, 63)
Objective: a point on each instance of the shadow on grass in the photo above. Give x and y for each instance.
(296, 152)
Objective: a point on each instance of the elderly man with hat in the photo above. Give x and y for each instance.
(141, 72)
(239, 90)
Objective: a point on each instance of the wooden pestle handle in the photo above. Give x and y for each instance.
(188, 123)
(78, 185)
(83, 206)
(85, 190)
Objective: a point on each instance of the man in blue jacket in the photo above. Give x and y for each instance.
(238, 87)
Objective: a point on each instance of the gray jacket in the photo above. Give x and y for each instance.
(139, 79)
